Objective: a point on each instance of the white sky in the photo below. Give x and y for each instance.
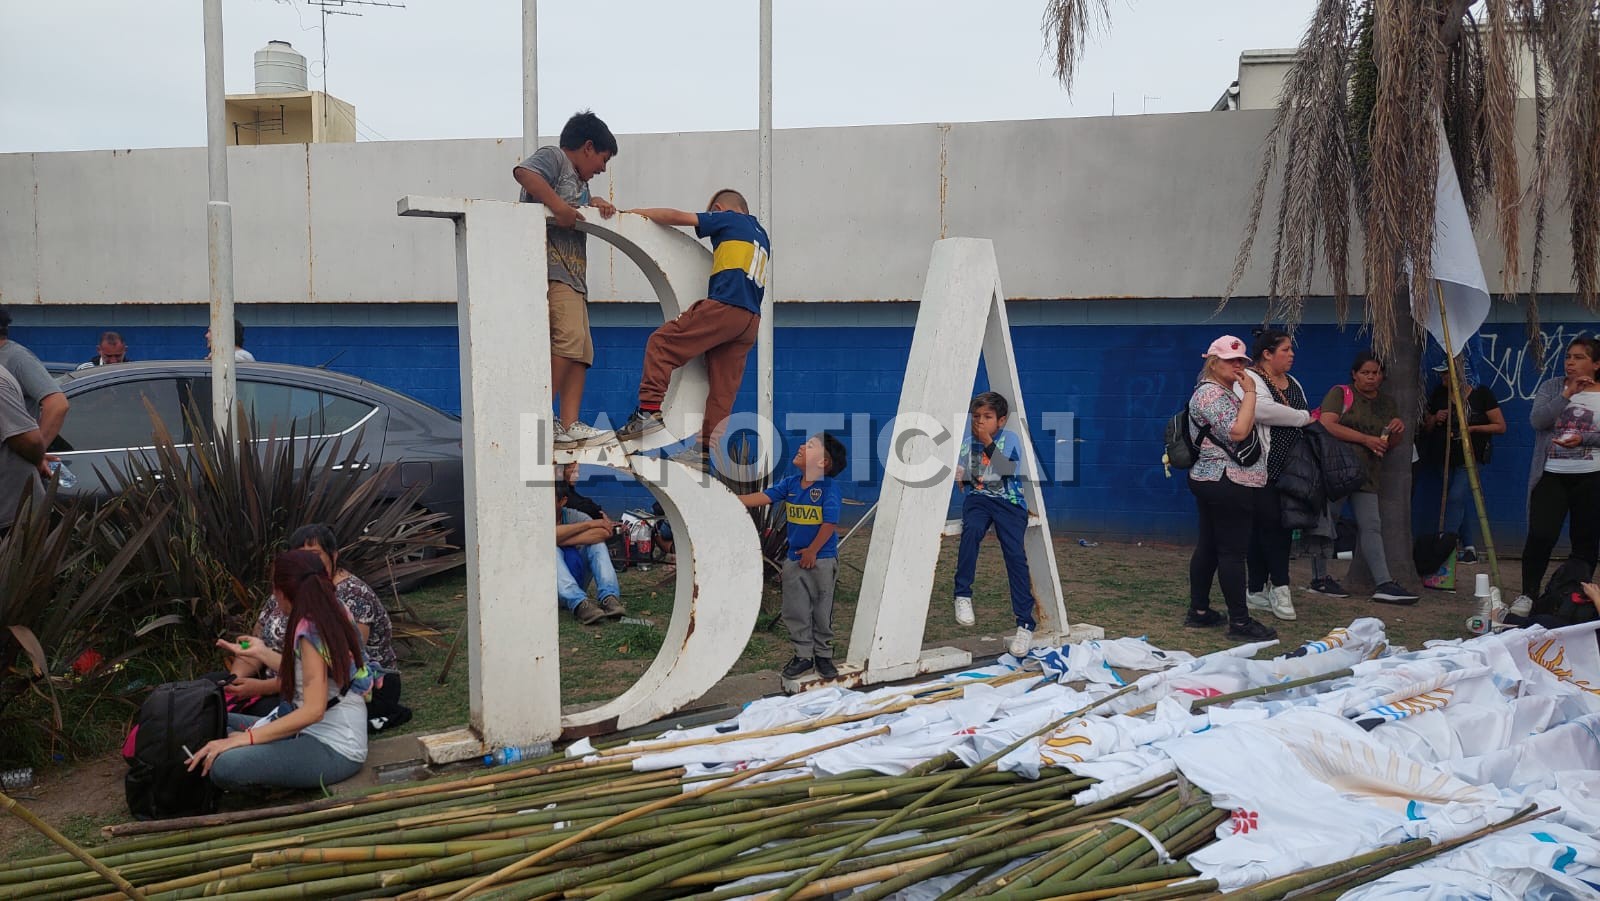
(96, 74)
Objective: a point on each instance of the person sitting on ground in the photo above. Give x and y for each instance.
(317, 736)
(582, 557)
(1371, 421)
(811, 509)
(1484, 420)
(384, 710)
(1227, 472)
(722, 327)
(989, 471)
(112, 349)
(1564, 484)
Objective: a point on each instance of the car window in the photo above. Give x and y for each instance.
(340, 413)
(279, 409)
(115, 416)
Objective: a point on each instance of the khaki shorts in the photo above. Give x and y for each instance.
(569, 324)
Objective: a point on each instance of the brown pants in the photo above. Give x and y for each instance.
(721, 332)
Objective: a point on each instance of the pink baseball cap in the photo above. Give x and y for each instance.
(1228, 348)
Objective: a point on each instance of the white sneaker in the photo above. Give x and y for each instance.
(581, 434)
(1022, 642)
(1281, 602)
(964, 614)
(1258, 600)
(1522, 606)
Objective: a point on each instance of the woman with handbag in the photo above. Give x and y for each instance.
(1281, 411)
(1229, 469)
(1362, 416)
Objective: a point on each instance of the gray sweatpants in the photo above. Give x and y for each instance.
(808, 606)
(1369, 532)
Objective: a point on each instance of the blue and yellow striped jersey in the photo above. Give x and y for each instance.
(739, 252)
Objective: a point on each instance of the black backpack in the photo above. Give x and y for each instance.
(1563, 594)
(176, 716)
(1182, 450)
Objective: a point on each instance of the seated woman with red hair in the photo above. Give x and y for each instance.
(318, 734)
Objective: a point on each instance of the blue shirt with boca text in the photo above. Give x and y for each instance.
(807, 508)
(739, 253)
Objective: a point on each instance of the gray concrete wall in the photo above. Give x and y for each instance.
(1136, 206)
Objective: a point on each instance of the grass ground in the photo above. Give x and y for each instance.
(1128, 589)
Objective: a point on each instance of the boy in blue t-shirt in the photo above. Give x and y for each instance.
(811, 499)
(990, 467)
(722, 327)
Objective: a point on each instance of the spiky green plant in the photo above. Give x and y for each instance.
(234, 499)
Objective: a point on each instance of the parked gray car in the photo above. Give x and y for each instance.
(374, 424)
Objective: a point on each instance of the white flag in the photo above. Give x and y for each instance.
(1457, 270)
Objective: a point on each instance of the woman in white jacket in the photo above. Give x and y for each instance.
(1280, 413)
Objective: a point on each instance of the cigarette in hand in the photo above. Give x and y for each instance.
(188, 754)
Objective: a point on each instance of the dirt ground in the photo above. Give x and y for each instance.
(1128, 589)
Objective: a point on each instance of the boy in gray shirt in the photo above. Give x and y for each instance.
(21, 451)
(41, 396)
(558, 177)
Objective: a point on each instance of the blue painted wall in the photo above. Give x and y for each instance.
(1120, 368)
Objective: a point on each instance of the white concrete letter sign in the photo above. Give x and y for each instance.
(514, 664)
(962, 288)
(512, 614)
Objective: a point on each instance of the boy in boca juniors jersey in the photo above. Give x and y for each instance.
(811, 501)
(722, 327)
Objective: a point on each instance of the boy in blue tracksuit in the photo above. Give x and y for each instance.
(811, 502)
(990, 470)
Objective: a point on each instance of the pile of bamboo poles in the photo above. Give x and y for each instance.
(434, 841)
(597, 828)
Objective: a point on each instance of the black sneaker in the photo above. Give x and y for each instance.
(1328, 587)
(1469, 554)
(797, 667)
(1201, 619)
(640, 424)
(1250, 630)
(825, 668)
(1392, 593)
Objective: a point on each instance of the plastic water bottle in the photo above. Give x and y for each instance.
(17, 780)
(1084, 542)
(516, 753)
(63, 474)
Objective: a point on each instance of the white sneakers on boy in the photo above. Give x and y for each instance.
(964, 614)
(581, 434)
(1522, 606)
(1022, 642)
(1259, 600)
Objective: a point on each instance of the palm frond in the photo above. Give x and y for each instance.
(1067, 25)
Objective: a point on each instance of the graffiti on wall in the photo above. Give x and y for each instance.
(1509, 367)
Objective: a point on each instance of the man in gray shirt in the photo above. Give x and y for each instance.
(41, 395)
(21, 452)
(558, 177)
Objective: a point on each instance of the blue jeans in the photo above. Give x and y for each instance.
(605, 577)
(1460, 516)
(1010, 522)
(298, 762)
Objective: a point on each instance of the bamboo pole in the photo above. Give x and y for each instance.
(71, 847)
(1466, 442)
(781, 762)
(1273, 688)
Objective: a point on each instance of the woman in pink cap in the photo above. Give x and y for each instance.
(1227, 472)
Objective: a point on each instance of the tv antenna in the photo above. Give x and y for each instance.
(341, 8)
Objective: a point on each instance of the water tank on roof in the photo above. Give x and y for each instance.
(280, 69)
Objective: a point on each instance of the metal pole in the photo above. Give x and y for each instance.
(530, 77)
(764, 359)
(219, 225)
